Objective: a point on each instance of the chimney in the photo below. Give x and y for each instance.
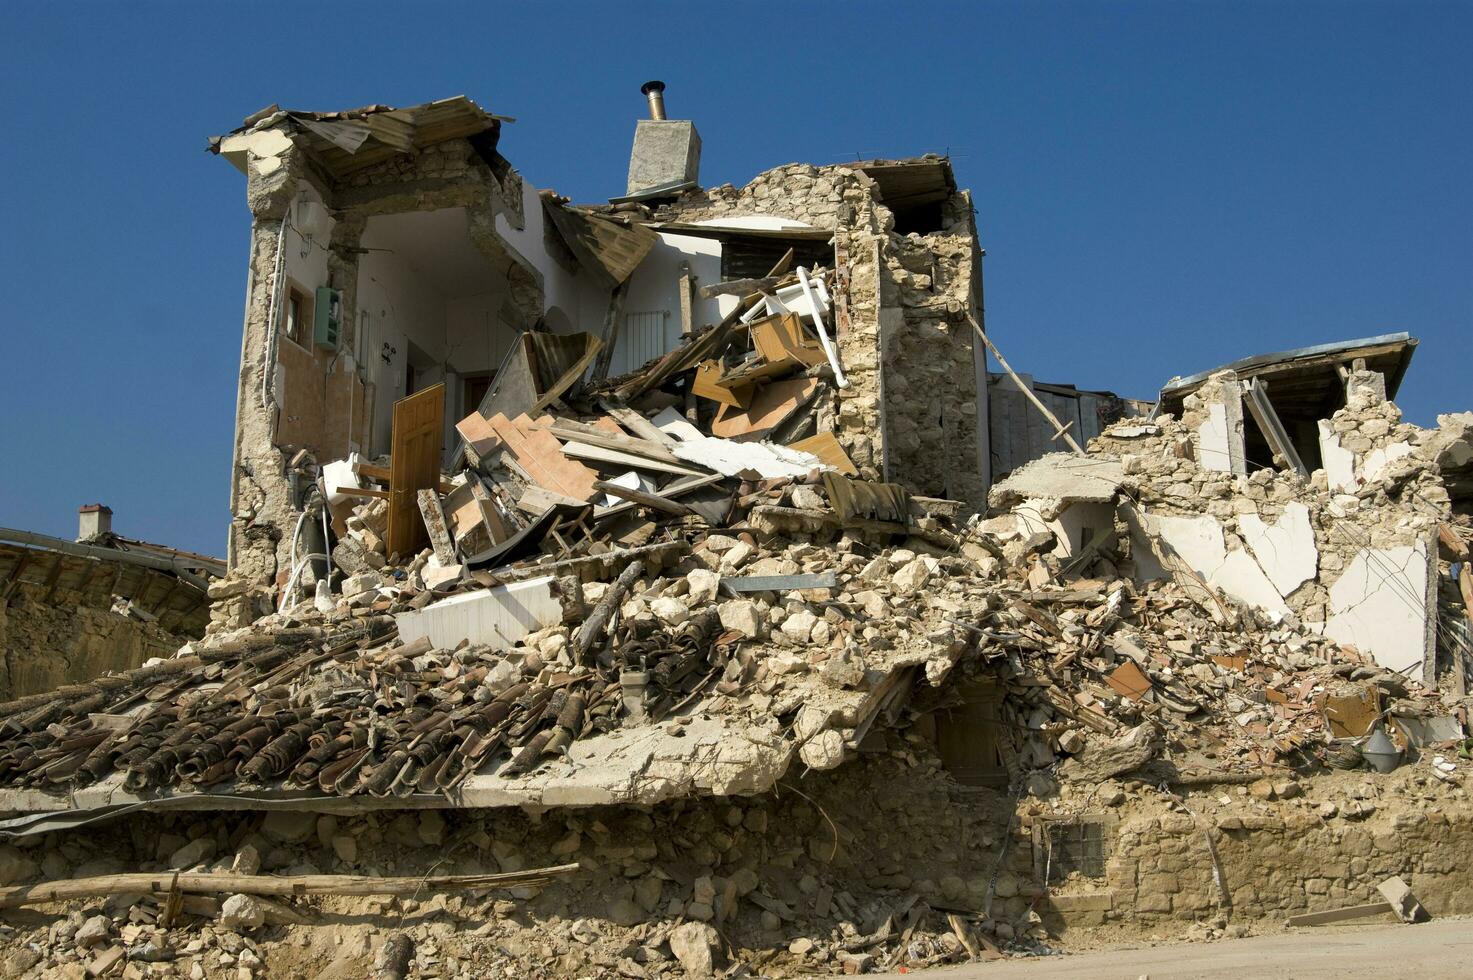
(667, 152)
(93, 521)
(655, 92)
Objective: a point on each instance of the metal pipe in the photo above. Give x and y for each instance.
(655, 92)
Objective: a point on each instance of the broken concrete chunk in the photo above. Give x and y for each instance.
(497, 617)
(1103, 759)
(1403, 902)
(691, 944)
(914, 575)
(744, 616)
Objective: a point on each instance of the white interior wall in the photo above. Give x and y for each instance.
(402, 307)
(580, 302)
(305, 259)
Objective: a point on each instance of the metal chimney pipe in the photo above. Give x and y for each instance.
(655, 92)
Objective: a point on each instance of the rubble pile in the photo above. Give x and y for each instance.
(664, 680)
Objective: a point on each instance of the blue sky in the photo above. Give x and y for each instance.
(1161, 187)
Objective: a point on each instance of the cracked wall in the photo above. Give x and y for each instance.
(1357, 559)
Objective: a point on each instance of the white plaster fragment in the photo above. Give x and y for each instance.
(1214, 451)
(1377, 460)
(498, 617)
(1378, 605)
(1285, 551)
(1199, 543)
(1339, 463)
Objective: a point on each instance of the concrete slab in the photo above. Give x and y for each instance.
(1051, 482)
(499, 616)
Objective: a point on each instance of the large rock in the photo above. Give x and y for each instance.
(799, 626)
(824, 751)
(703, 586)
(913, 576)
(289, 826)
(92, 932)
(744, 616)
(15, 865)
(242, 913)
(196, 852)
(691, 943)
(670, 610)
(1103, 759)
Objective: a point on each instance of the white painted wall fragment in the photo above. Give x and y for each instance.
(1377, 460)
(1285, 550)
(1214, 451)
(1339, 462)
(1378, 605)
(1199, 543)
(498, 617)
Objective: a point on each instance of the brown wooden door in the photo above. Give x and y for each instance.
(414, 465)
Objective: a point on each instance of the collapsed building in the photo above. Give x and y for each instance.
(672, 575)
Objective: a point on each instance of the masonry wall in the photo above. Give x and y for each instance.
(44, 645)
(911, 412)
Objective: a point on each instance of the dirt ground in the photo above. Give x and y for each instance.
(1438, 950)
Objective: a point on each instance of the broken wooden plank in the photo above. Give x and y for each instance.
(740, 287)
(707, 384)
(652, 500)
(362, 492)
(286, 885)
(1451, 544)
(593, 626)
(1059, 428)
(593, 436)
(619, 458)
(1340, 915)
(613, 319)
(770, 405)
(826, 447)
(637, 423)
(780, 583)
(676, 489)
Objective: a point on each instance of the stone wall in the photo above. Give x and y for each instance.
(45, 644)
(910, 412)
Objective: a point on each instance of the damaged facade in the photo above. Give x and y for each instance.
(393, 250)
(648, 572)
